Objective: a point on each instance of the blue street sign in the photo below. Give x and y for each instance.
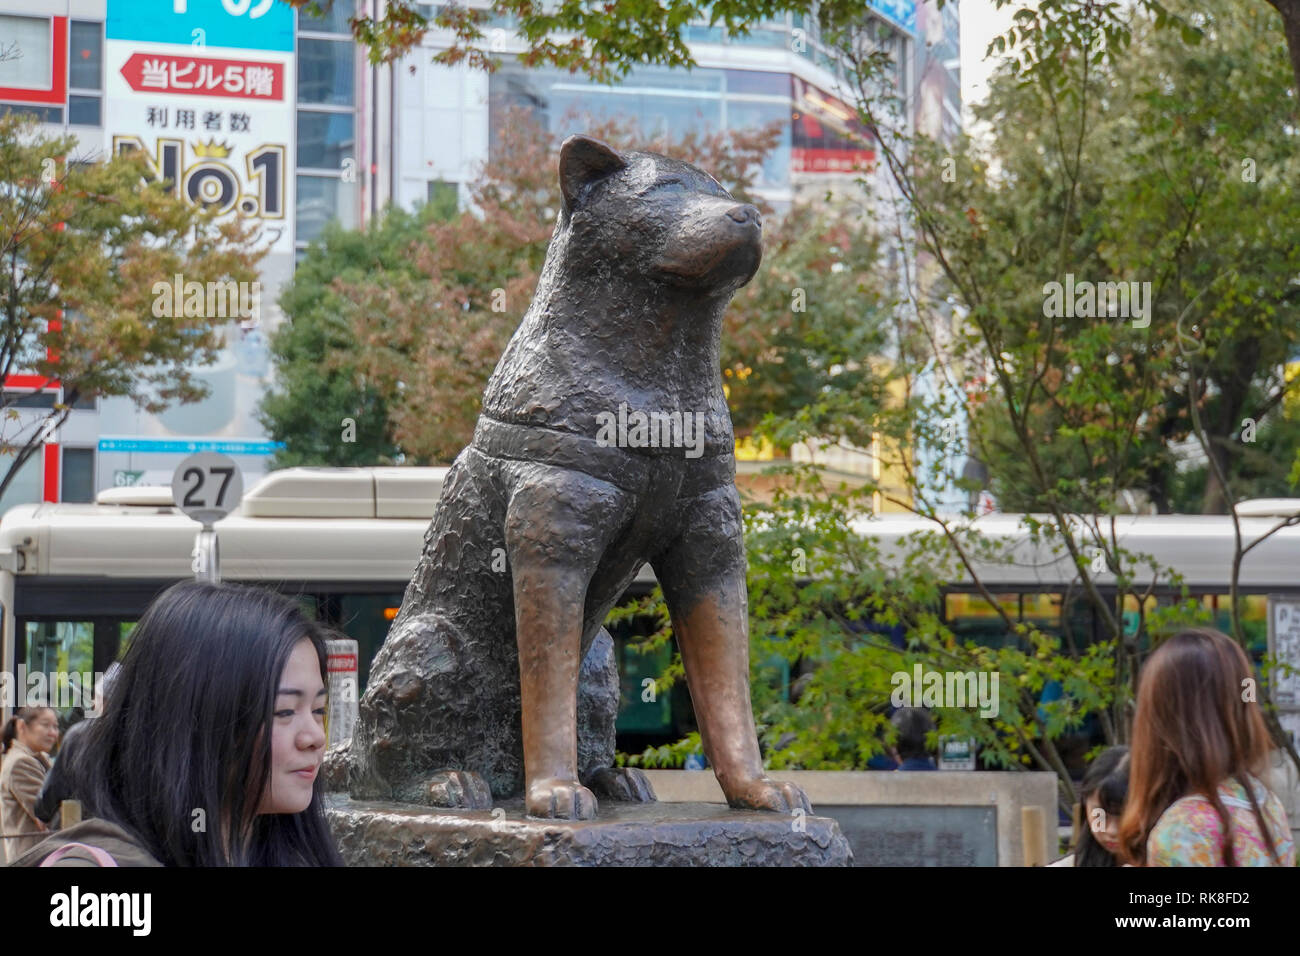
(182, 446)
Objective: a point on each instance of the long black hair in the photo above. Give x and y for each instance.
(1107, 780)
(182, 754)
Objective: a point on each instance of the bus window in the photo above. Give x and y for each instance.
(1254, 618)
(644, 709)
(125, 630)
(59, 649)
(366, 619)
(1254, 622)
(1134, 614)
(1043, 610)
(60, 646)
(972, 618)
(649, 715)
(1079, 627)
(309, 605)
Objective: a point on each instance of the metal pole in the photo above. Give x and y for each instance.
(206, 563)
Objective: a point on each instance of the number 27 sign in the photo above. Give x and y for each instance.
(207, 486)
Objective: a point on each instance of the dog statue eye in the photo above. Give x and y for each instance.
(667, 185)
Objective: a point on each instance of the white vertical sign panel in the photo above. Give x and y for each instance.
(1284, 647)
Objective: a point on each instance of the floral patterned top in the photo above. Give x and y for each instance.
(1190, 833)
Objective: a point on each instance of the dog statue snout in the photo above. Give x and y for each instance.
(745, 213)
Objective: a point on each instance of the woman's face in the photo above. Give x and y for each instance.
(40, 733)
(297, 733)
(1104, 826)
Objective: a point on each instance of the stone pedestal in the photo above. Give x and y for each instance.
(374, 833)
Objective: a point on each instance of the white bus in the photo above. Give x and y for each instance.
(74, 578)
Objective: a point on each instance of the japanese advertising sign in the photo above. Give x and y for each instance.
(204, 88)
(826, 135)
(206, 91)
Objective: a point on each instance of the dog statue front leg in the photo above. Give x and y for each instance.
(557, 527)
(548, 628)
(703, 579)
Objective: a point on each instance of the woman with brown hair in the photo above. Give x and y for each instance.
(1199, 744)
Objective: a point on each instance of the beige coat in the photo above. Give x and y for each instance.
(21, 776)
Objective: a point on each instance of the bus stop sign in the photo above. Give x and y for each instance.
(207, 486)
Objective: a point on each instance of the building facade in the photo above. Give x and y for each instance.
(280, 118)
(779, 73)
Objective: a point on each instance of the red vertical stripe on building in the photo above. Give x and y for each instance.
(52, 457)
(51, 452)
(55, 325)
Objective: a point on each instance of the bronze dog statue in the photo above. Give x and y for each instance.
(604, 442)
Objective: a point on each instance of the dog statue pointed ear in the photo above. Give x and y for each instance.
(583, 161)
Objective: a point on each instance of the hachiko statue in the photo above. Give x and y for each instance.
(604, 442)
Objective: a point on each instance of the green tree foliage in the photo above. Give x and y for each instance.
(82, 247)
(318, 382)
(1159, 166)
(808, 317)
(1117, 156)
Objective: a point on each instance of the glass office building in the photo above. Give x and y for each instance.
(780, 72)
(330, 71)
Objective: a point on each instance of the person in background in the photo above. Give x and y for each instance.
(29, 735)
(1199, 747)
(883, 761)
(209, 750)
(57, 785)
(1101, 798)
(913, 724)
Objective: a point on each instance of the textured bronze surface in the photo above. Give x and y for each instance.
(497, 666)
(664, 834)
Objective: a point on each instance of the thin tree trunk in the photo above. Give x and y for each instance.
(1213, 499)
(1290, 10)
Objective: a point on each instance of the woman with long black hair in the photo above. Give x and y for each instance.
(209, 750)
(1101, 801)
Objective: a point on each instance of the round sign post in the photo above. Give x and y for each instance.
(207, 487)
